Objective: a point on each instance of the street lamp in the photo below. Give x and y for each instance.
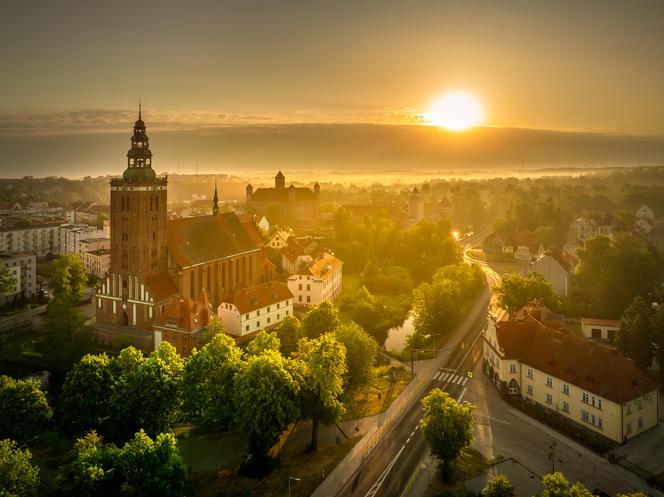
(434, 343)
(289, 480)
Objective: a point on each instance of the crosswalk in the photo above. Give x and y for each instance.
(450, 376)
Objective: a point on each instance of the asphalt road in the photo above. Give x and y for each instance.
(388, 467)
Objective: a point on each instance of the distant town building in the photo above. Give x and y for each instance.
(644, 225)
(292, 205)
(588, 385)
(97, 262)
(415, 205)
(71, 236)
(645, 212)
(43, 240)
(591, 225)
(317, 283)
(259, 307)
(279, 238)
(263, 226)
(24, 269)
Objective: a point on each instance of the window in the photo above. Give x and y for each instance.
(599, 404)
(628, 408)
(639, 404)
(600, 423)
(247, 316)
(549, 399)
(596, 333)
(530, 373)
(640, 423)
(585, 398)
(628, 428)
(300, 298)
(308, 298)
(566, 389)
(299, 287)
(246, 328)
(278, 316)
(549, 382)
(258, 324)
(268, 320)
(585, 415)
(530, 389)
(512, 368)
(566, 406)
(308, 287)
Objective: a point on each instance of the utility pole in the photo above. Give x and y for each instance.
(434, 344)
(552, 455)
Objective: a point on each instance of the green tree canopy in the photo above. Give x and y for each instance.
(498, 486)
(635, 333)
(69, 277)
(266, 402)
(361, 351)
(515, 291)
(324, 359)
(264, 341)
(447, 426)
(7, 280)
(24, 410)
(84, 400)
(154, 468)
(289, 332)
(322, 318)
(208, 382)
(556, 485)
(18, 477)
(92, 471)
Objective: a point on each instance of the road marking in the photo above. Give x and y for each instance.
(463, 392)
(381, 479)
(412, 432)
(435, 377)
(408, 440)
(491, 417)
(458, 380)
(445, 377)
(465, 380)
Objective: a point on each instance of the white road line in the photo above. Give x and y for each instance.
(445, 377)
(376, 486)
(463, 392)
(435, 377)
(408, 440)
(458, 380)
(412, 432)
(465, 380)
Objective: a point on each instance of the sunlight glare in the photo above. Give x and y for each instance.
(456, 111)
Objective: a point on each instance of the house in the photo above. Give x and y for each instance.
(602, 329)
(594, 223)
(556, 268)
(263, 226)
(644, 225)
(279, 239)
(319, 282)
(570, 250)
(255, 308)
(182, 322)
(97, 262)
(590, 386)
(645, 212)
(294, 258)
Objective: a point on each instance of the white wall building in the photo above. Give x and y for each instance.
(41, 240)
(24, 268)
(602, 329)
(645, 212)
(71, 236)
(555, 267)
(319, 282)
(255, 308)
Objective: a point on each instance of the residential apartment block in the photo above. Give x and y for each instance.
(24, 268)
(42, 240)
(590, 384)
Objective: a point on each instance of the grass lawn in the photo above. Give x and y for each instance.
(308, 467)
(364, 401)
(470, 463)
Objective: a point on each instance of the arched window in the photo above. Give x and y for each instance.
(513, 387)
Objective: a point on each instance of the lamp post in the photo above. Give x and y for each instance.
(434, 343)
(289, 480)
(552, 455)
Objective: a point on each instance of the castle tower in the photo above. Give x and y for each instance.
(249, 192)
(280, 180)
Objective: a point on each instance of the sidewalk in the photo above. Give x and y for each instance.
(378, 427)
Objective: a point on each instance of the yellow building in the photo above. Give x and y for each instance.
(587, 383)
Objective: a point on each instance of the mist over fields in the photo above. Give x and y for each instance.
(347, 148)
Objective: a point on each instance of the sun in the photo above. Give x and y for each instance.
(456, 111)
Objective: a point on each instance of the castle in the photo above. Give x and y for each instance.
(167, 278)
(295, 206)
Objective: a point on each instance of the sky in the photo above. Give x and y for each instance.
(206, 69)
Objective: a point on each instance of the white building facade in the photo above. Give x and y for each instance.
(319, 282)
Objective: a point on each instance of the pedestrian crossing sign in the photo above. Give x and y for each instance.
(469, 374)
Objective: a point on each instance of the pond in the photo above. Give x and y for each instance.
(396, 337)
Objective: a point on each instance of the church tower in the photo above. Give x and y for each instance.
(138, 237)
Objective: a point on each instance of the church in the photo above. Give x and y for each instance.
(167, 278)
(294, 206)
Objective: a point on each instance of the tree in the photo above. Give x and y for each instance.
(361, 352)
(92, 471)
(7, 280)
(208, 382)
(84, 400)
(147, 393)
(24, 410)
(498, 486)
(289, 332)
(65, 336)
(556, 485)
(447, 426)
(658, 339)
(18, 477)
(69, 277)
(324, 359)
(322, 318)
(635, 333)
(343, 224)
(266, 402)
(516, 291)
(216, 327)
(262, 342)
(154, 468)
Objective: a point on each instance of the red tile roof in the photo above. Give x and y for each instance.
(185, 313)
(601, 370)
(259, 296)
(324, 266)
(600, 322)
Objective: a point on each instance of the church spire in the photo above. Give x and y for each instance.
(139, 109)
(215, 201)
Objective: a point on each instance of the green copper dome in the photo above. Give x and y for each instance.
(138, 174)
